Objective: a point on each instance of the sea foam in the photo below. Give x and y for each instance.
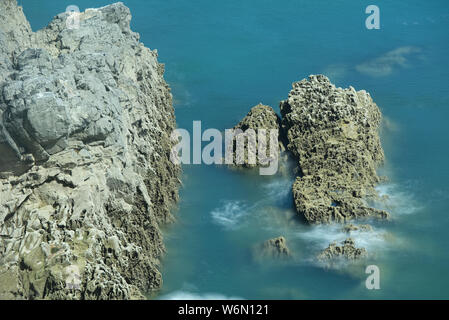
(186, 295)
(396, 200)
(230, 214)
(320, 236)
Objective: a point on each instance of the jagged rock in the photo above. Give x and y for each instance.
(362, 227)
(259, 117)
(15, 33)
(346, 250)
(15, 36)
(333, 132)
(275, 248)
(85, 174)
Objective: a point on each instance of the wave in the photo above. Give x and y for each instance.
(232, 213)
(395, 200)
(319, 237)
(186, 295)
(229, 214)
(389, 62)
(279, 190)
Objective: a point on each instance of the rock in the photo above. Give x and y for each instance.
(15, 33)
(85, 175)
(275, 248)
(362, 227)
(260, 117)
(346, 250)
(333, 132)
(15, 36)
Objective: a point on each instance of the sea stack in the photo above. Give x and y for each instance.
(85, 175)
(333, 133)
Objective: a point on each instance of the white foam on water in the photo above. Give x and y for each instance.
(279, 189)
(319, 237)
(233, 213)
(186, 295)
(396, 200)
(229, 214)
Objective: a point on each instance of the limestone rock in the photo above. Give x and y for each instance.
(85, 174)
(15, 34)
(260, 117)
(333, 132)
(275, 248)
(346, 250)
(362, 227)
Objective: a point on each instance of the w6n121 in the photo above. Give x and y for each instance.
(240, 309)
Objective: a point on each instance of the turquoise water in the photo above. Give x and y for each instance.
(223, 57)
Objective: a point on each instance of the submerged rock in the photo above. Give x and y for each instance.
(333, 132)
(86, 178)
(275, 248)
(362, 227)
(346, 250)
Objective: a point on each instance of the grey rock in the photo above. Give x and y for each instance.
(85, 175)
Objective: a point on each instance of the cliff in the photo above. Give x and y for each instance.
(85, 174)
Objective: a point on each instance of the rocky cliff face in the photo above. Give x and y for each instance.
(86, 178)
(334, 134)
